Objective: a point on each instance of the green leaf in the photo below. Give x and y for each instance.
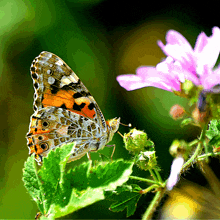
(214, 129)
(215, 140)
(89, 183)
(110, 175)
(126, 196)
(42, 184)
(62, 192)
(32, 182)
(51, 174)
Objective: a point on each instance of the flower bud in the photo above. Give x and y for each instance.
(137, 141)
(147, 160)
(179, 148)
(177, 112)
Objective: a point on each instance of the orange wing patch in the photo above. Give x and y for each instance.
(64, 99)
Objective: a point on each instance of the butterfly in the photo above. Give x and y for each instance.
(64, 111)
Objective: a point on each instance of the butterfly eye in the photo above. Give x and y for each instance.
(44, 146)
(45, 124)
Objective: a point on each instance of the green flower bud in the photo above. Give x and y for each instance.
(179, 148)
(147, 160)
(137, 141)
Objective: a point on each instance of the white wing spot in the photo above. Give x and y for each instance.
(51, 80)
(73, 78)
(48, 72)
(59, 63)
(50, 65)
(65, 80)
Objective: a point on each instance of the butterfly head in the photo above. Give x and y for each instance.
(113, 126)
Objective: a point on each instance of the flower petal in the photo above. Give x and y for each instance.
(207, 49)
(179, 49)
(146, 76)
(176, 72)
(210, 79)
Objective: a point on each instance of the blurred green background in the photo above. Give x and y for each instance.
(99, 40)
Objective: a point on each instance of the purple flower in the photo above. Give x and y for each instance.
(182, 63)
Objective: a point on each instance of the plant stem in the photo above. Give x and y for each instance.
(154, 203)
(148, 189)
(153, 175)
(158, 176)
(143, 179)
(198, 149)
(202, 157)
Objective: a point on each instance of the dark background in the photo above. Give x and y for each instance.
(98, 40)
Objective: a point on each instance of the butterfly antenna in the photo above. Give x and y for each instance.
(129, 125)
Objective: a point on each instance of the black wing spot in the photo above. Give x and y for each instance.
(77, 95)
(63, 106)
(34, 75)
(45, 123)
(44, 146)
(85, 94)
(33, 69)
(36, 85)
(91, 106)
(29, 134)
(55, 87)
(78, 107)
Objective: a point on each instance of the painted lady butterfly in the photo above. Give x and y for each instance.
(64, 111)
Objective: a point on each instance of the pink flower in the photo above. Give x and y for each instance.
(182, 62)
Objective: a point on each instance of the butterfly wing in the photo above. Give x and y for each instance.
(57, 85)
(65, 111)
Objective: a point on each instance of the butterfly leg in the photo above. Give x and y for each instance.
(113, 151)
(89, 156)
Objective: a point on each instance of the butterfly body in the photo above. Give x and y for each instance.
(65, 111)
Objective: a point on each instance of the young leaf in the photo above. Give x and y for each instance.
(63, 192)
(126, 196)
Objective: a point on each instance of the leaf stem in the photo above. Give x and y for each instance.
(148, 189)
(143, 179)
(202, 157)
